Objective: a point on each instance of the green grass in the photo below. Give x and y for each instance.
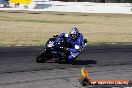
(34, 28)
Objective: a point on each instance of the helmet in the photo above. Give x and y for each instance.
(74, 33)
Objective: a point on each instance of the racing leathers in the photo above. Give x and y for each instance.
(76, 46)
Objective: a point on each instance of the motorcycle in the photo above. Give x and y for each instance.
(54, 49)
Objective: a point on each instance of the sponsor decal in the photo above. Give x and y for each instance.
(21, 1)
(85, 81)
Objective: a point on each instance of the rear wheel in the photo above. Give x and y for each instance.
(69, 61)
(66, 58)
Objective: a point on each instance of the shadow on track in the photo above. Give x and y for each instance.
(76, 62)
(84, 62)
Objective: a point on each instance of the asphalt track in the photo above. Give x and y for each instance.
(17, 64)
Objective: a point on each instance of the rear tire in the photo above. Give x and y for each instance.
(70, 61)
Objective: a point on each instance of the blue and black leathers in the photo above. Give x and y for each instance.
(76, 45)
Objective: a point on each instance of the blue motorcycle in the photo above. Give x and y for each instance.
(54, 49)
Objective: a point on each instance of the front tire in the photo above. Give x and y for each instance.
(41, 58)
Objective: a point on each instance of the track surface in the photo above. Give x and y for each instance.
(18, 67)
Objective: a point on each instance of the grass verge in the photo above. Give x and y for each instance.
(27, 28)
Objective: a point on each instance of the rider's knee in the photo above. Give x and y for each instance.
(70, 57)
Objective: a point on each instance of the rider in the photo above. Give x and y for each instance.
(76, 41)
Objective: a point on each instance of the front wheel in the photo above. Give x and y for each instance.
(41, 58)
